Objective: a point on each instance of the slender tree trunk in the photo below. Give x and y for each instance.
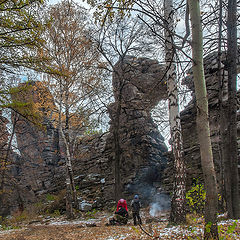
(70, 178)
(232, 161)
(69, 153)
(116, 138)
(71, 195)
(222, 115)
(117, 150)
(224, 146)
(211, 230)
(5, 162)
(178, 214)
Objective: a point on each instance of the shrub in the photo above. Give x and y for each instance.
(196, 197)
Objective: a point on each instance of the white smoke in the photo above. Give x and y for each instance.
(155, 208)
(161, 202)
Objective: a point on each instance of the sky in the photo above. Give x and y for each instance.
(84, 4)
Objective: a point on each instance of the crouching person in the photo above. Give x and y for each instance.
(120, 217)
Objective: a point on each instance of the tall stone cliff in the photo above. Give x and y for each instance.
(139, 83)
(188, 118)
(38, 167)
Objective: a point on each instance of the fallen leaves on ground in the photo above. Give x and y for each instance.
(96, 229)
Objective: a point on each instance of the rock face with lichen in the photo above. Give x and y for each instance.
(39, 145)
(188, 118)
(38, 166)
(140, 85)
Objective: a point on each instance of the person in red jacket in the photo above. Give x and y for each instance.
(122, 203)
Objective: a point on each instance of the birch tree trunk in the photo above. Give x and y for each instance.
(211, 205)
(231, 163)
(71, 195)
(178, 214)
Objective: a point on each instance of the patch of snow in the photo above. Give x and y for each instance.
(121, 237)
(76, 222)
(10, 231)
(178, 230)
(229, 221)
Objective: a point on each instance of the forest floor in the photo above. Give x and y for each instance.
(59, 228)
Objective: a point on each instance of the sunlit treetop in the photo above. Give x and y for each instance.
(108, 9)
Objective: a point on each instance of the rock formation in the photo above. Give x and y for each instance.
(38, 165)
(140, 85)
(188, 118)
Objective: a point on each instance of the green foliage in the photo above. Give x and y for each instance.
(91, 214)
(135, 229)
(21, 28)
(55, 213)
(223, 234)
(231, 228)
(16, 218)
(6, 227)
(196, 197)
(208, 227)
(191, 219)
(56, 203)
(91, 132)
(50, 197)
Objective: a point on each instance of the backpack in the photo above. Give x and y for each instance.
(135, 205)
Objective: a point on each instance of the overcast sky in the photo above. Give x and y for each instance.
(78, 1)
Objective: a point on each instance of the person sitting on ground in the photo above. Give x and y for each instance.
(120, 217)
(136, 205)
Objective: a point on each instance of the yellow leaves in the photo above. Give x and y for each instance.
(3, 164)
(34, 101)
(135, 229)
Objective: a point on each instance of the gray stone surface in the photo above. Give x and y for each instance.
(188, 118)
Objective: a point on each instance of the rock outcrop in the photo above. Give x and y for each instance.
(140, 85)
(188, 118)
(38, 167)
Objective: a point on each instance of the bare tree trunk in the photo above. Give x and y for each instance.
(211, 230)
(178, 213)
(116, 138)
(5, 162)
(117, 151)
(224, 147)
(70, 179)
(70, 185)
(222, 111)
(232, 161)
